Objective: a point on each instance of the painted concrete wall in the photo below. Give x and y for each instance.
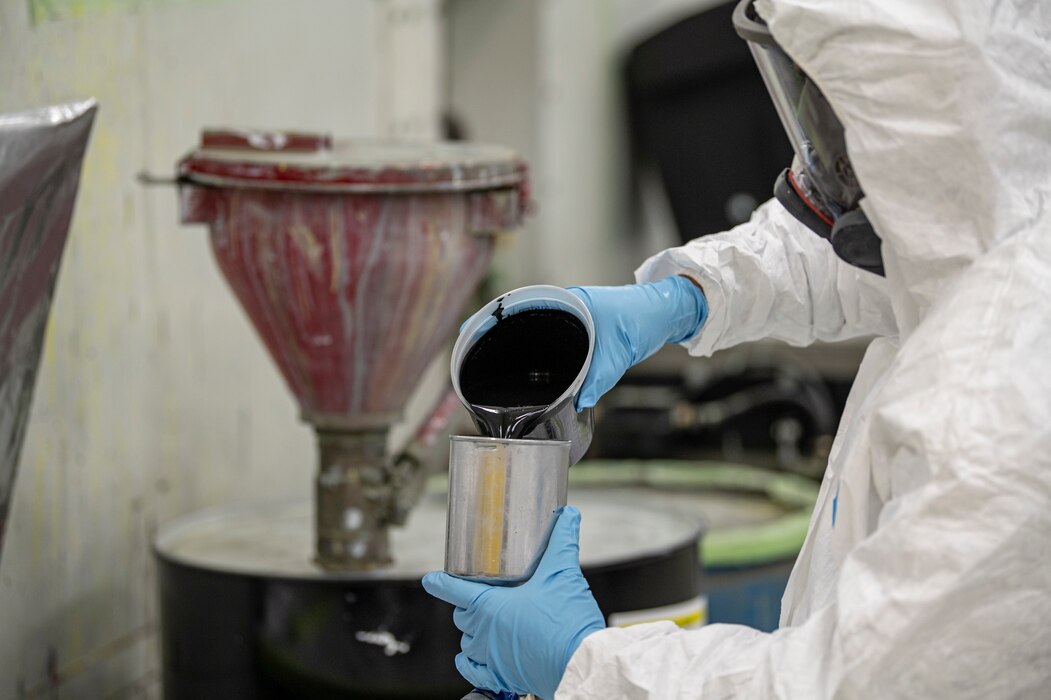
(538, 76)
(155, 398)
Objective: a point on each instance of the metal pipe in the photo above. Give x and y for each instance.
(353, 500)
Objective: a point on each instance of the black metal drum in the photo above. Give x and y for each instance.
(246, 614)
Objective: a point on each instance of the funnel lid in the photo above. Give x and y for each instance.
(291, 160)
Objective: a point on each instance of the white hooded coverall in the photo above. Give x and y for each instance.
(926, 572)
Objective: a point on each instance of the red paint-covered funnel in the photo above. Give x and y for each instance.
(354, 261)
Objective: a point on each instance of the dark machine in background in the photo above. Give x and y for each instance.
(770, 412)
(701, 120)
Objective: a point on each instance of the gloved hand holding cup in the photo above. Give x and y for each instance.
(521, 638)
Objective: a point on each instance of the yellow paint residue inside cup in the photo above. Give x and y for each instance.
(489, 533)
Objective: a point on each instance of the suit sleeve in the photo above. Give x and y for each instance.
(949, 593)
(773, 278)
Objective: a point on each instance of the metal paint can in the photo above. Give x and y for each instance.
(560, 420)
(504, 499)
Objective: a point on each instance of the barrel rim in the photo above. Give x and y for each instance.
(776, 540)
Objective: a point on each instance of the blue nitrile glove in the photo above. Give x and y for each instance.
(521, 638)
(632, 323)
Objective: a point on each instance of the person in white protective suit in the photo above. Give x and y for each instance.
(926, 572)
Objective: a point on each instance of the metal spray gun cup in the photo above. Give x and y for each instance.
(504, 498)
(559, 419)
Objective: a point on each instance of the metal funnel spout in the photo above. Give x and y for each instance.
(354, 261)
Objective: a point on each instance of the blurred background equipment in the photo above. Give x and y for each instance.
(355, 261)
(700, 122)
(40, 156)
(769, 409)
(246, 614)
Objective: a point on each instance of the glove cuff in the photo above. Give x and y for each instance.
(688, 307)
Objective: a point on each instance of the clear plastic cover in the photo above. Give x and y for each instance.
(40, 158)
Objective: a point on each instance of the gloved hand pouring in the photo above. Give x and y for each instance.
(501, 625)
(633, 322)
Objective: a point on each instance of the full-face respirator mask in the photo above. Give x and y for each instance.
(820, 188)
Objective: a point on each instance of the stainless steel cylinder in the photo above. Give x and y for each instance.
(353, 497)
(504, 498)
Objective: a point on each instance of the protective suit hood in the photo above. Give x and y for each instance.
(950, 168)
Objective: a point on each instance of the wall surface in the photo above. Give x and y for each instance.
(539, 77)
(491, 93)
(543, 77)
(154, 397)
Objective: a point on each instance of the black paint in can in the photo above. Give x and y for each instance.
(520, 367)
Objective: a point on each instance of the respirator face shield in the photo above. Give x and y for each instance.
(820, 188)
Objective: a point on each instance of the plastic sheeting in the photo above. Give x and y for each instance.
(40, 157)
